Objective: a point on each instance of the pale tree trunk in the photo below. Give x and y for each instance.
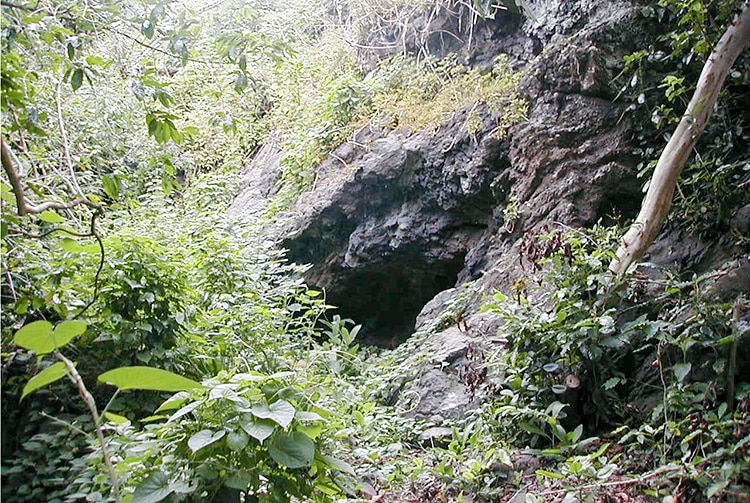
(659, 196)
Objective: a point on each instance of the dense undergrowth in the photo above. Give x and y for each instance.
(148, 116)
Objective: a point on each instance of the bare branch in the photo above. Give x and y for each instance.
(12, 5)
(24, 206)
(91, 404)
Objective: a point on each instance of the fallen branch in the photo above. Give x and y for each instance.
(658, 199)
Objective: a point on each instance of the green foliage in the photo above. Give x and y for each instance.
(157, 291)
(659, 81)
(557, 350)
(583, 354)
(126, 378)
(53, 373)
(422, 95)
(47, 461)
(256, 433)
(40, 337)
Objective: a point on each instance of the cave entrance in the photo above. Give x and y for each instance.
(387, 297)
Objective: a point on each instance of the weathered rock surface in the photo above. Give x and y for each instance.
(395, 221)
(258, 182)
(391, 220)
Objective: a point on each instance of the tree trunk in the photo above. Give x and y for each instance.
(658, 199)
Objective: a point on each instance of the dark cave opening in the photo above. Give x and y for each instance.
(387, 297)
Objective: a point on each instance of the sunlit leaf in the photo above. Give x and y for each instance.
(35, 336)
(115, 418)
(65, 331)
(147, 378)
(51, 217)
(96, 61)
(174, 402)
(187, 409)
(550, 475)
(203, 438)
(259, 430)
(38, 336)
(45, 377)
(71, 245)
(312, 430)
(111, 185)
(280, 411)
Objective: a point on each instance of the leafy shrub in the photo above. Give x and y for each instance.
(582, 352)
(253, 433)
(421, 95)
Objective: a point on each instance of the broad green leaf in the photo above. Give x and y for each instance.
(359, 417)
(237, 440)
(302, 415)
(240, 481)
(115, 418)
(280, 411)
(550, 475)
(76, 80)
(294, 450)
(174, 402)
(45, 377)
(204, 438)
(36, 336)
(67, 330)
(51, 217)
(681, 370)
(148, 378)
(112, 185)
(259, 430)
(313, 430)
(185, 410)
(39, 336)
(153, 489)
(71, 245)
(339, 464)
(96, 61)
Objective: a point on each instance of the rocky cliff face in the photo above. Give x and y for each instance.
(395, 219)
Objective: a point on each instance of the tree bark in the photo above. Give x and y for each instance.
(658, 200)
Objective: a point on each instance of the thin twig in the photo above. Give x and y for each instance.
(167, 53)
(95, 235)
(73, 182)
(16, 6)
(24, 206)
